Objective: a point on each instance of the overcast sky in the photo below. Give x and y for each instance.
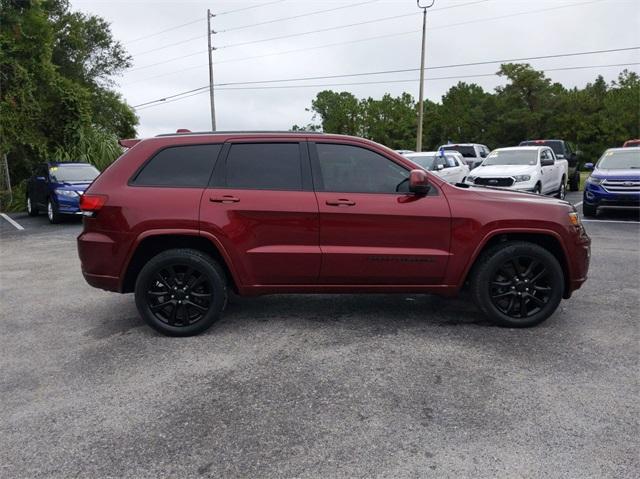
(458, 31)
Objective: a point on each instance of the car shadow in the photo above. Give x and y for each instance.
(617, 215)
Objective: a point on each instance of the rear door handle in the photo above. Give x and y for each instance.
(340, 202)
(224, 199)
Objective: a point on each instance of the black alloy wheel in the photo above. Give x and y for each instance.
(181, 292)
(179, 295)
(520, 288)
(517, 284)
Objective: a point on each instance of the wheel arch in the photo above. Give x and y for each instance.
(548, 240)
(151, 244)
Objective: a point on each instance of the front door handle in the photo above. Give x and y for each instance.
(340, 202)
(224, 199)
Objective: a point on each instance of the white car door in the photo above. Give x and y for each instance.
(547, 165)
(464, 170)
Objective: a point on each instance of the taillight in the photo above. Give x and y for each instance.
(91, 204)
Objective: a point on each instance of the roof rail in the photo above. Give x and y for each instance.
(184, 133)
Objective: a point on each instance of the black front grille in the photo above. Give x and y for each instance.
(494, 181)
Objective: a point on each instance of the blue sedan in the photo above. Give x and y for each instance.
(56, 188)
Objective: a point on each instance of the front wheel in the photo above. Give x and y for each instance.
(537, 189)
(52, 212)
(181, 292)
(517, 284)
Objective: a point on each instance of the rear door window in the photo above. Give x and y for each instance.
(264, 166)
(466, 151)
(186, 166)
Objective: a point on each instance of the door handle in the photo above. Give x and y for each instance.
(340, 202)
(224, 199)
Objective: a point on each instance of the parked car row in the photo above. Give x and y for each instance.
(535, 168)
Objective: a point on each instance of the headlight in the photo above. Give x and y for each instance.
(594, 180)
(574, 218)
(66, 193)
(520, 178)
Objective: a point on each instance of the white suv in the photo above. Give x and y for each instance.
(473, 153)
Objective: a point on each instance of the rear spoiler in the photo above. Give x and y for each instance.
(130, 143)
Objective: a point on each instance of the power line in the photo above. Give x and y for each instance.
(248, 8)
(403, 70)
(163, 31)
(355, 41)
(367, 22)
(302, 15)
(198, 37)
(160, 32)
(187, 40)
(378, 82)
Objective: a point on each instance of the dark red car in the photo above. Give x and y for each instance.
(180, 219)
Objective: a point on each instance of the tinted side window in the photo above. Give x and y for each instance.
(351, 169)
(264, 166)
(186, 166)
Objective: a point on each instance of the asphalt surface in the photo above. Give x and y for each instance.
(315, 386)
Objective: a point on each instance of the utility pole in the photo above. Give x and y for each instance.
(211, 96)
(421, 98)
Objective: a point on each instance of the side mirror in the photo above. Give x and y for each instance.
(547, 162)
(418, 182)
(588, 166)
(439, 166)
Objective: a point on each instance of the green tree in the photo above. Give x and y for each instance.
(55, 71)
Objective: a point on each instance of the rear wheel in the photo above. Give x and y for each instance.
(562, 192)
(32, 209)
(517, 284)
(181, 292)
(574, 184)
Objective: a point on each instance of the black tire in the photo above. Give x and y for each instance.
(574, 184)
(32, 209)
(52, 212)
(502, 294)
(189, 289)
(562, 192)
(537, 189)
(589, 211)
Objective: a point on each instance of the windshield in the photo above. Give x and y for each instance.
(64, 173)
(466, 151)
(511, 157)
(620, 160)
(425, 161)
(555, 145)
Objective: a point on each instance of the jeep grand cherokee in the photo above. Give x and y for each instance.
(181, 219)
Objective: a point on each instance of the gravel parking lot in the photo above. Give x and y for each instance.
(315, 386)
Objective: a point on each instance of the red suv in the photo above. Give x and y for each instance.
(180, 219)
